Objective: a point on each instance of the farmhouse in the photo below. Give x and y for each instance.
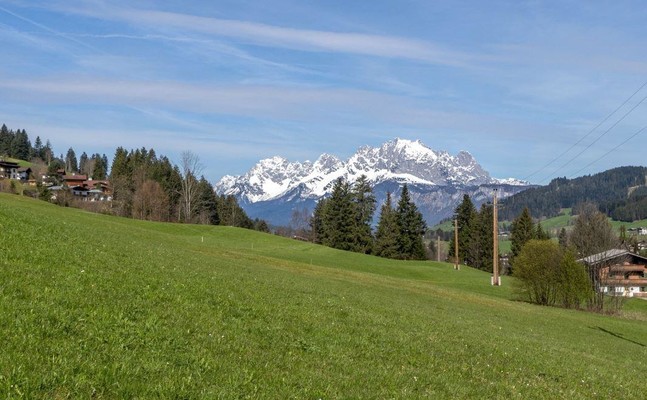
(8, 170)
(618, 272)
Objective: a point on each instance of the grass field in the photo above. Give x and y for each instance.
(104, 307)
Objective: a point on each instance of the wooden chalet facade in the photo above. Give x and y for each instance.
(618, 272)
(8, 170)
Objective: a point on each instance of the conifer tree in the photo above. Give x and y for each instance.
(6, 137)
(38, 148)
(540, 233)
(317, 222)
(207, 203)
(465, 215)
(411, 227)
(20, 146)
(339, 218)
(364, 208)
(71, 164)
(386, 237)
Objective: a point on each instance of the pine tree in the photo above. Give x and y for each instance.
(411, 227)
(364, 208)
(481, 256)
(20, 146)
(317, 222)
(540, 233)
(6, 137)
(386, 236)
(339, 218)
(83, 164)
(71, 164)
(521, 231)
(38, 148)
(98, 168)
(465, 215)
(207, 203)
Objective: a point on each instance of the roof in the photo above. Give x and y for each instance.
(8, 164)
(24, 169)
(75, 177)
(609, 255)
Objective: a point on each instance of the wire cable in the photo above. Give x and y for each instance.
(596, 140)
(588, 134)
(610, 151)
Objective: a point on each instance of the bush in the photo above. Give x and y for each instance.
(548, 275)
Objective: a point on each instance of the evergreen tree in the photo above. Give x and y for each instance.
(317, 222)
(6, 137)
(364, 207)
(521, 231)
(465, 215)
(540, 233)
(83, 164)
(339, 216)
(99, 167)
(71, 164)
(20, 146)
(47, 153)
(38, 148)
(411, 227)
(386, 237)
(482, 244)
(207, 203)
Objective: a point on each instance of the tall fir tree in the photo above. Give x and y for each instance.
(386, 236)
(6, 137)
(411, 228)
(317, 222)
(71, 163)
(339, 217)
(20, 146)
(465, 216)
(364, 208)
(83, 164)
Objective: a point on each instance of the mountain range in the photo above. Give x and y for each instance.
(275, 187)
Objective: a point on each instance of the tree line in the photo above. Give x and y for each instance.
(144, 185)
(619, 193)
(344, 221)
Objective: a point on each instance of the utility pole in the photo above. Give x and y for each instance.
(496, 279)
(456, 264)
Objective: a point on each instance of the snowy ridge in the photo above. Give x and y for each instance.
(399, 161)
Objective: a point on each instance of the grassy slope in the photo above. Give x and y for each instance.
(92, 305)
(21, 163)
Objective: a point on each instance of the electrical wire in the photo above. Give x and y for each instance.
(595, 141)
(588, 134)
(610, 151)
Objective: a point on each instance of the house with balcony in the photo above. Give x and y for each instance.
(618, 272)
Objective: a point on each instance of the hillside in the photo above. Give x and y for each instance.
(610, 189)
(106, 307)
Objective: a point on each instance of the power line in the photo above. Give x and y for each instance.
(596, 140)
(588, 134)
(610, 151)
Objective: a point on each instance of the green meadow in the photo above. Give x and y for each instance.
(94, 306)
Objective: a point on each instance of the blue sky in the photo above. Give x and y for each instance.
(515, 83)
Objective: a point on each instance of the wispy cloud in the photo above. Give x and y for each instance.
(254, 33)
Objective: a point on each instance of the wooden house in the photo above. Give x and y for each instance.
(618, 272)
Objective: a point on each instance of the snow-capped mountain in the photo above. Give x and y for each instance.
(274, 186)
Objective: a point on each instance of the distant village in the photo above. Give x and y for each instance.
(81, 186)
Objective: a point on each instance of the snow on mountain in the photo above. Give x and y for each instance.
(278, 181)
(400, 160)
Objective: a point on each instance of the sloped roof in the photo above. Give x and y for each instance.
(609, 255)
